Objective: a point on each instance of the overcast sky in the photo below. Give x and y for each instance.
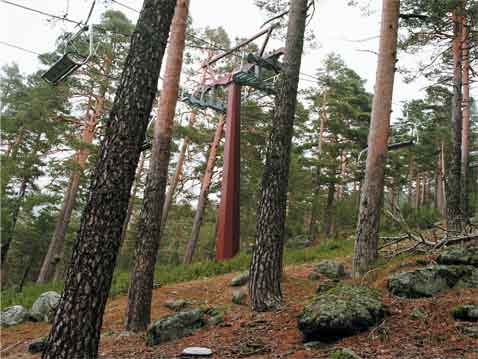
(336, 26)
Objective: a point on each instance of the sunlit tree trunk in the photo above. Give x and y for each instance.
(134, 191)
(140, 293)
(371, 202)
(465, 139)
(204, 192)
(454, 183)
(55, 248)
(314, 215)
(76, 328)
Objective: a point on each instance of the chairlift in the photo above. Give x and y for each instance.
(71, 60)
(204, 99)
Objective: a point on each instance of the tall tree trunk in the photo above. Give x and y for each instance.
(173, 183)
(418, 191)
(55, 248)
(366, 243)
(204, 192)
(129, 212)
(7, 240)
(465, 138)
(314, 215)
(439, 190)
(76, 328)
(453, 186)
(140, 293)
(329, 210)
(266, 266)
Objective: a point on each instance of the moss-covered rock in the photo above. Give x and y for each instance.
(459, 255)
(341, 311)
(344, 353)
(426, 282)
(175, 326)
(331, 269)
(468, 312)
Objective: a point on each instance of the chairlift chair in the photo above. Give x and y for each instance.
(71, 60)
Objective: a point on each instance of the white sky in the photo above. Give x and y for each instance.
(335, 26)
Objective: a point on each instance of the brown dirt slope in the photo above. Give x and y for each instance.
(275, 335)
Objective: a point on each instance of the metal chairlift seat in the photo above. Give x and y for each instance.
(66, 65)
(70, 61)
(247, 78)
(204, 102)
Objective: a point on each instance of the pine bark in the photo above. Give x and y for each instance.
(138, 312)
(56, 245)
(7, 241)
(188, 257)
(453, 185)
(329, 212)
(266, 266)
(173, 183)
(129, 212)
(465, 138)
(371, 202)
(76, 328)
(314, 215)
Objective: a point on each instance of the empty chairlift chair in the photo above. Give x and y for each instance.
(71, 60)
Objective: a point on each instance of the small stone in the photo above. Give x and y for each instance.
(418, 313)
(38, 345)
(176, 305)
(13, 315)
(240, 280)
(344, 353)
(238, 297)
(467, 312)
(197, 351)
(331, 269)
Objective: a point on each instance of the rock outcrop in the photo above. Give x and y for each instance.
(342, 311)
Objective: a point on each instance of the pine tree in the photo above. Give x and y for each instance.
(266, 266)
(366, 242)
(140, 291)
(77, 324)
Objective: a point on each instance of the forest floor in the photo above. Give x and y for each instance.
(275, 335)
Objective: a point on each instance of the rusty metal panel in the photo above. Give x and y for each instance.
(228, 232)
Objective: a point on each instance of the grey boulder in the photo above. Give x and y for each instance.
(426, 282)
(44, 308)
(331, 269)
(339, 312)
(13, 315)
